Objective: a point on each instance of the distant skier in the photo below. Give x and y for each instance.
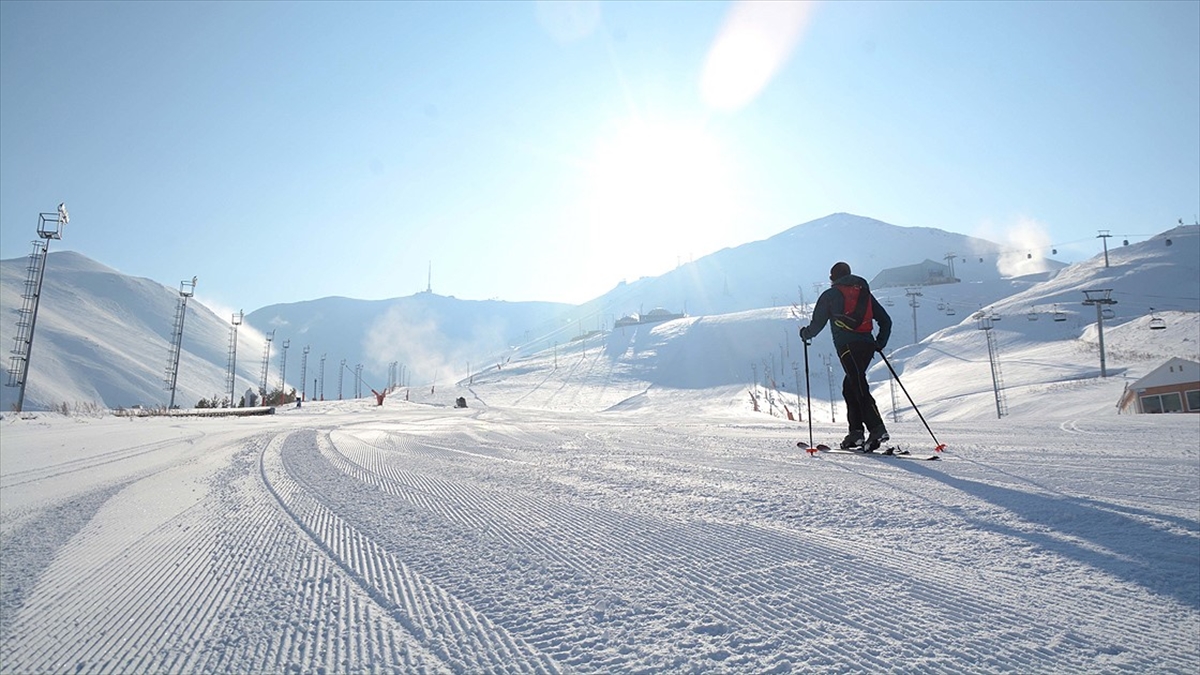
(852, 309)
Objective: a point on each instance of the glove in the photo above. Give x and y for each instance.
(879, 346)
(804, 334)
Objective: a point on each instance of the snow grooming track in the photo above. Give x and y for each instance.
(460, 637)
(619, 582)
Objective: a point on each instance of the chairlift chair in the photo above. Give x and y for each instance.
(1156, 323)
(1058, 314)
(1033, 315)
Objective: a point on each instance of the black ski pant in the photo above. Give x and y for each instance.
(861, 411)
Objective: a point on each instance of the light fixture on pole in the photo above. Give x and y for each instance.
(231, 373)
(49, 227)
(186, 290)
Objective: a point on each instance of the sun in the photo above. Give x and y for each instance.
(658, 194)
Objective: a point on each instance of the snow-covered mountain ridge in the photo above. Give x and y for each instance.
(103, 337)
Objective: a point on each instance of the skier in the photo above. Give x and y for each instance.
(851, 307)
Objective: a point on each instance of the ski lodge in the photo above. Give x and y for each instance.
(1172, 387)
(927, 273)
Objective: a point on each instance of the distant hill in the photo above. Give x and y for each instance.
(433, 337)
(783, 269)
(102, 337)
(703, 365)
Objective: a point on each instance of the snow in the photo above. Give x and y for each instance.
(671, 531)
(345, 537)
(614, 505)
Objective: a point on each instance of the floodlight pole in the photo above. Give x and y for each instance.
(283, 370)
(321, 388)
(262, 386)
(231, 376)
(49, 227)
(304, 374)
(1100, 298)
(186, 290)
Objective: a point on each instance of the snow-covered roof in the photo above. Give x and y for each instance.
(1175, 371)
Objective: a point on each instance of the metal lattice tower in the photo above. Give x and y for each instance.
(186, 290)
(231, 373)
(304, 374)
(340, 371)
(266, 364)
(829, 374)
(49, 227)
(321, 386)
(283, 370)
(913, 294)
(1101, 298)
(358, 381)
(985, 324)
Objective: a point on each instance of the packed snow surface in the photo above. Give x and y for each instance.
(347, 537)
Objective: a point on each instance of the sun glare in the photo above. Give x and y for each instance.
(659, 194)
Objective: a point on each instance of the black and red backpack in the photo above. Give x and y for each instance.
(856, 315)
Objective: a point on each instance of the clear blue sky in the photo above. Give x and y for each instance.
(290, 151)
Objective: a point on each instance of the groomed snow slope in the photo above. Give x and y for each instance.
(344, 537)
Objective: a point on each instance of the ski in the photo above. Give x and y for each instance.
(892, 451)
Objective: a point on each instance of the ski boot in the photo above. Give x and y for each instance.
(853, 442)
(876, 438)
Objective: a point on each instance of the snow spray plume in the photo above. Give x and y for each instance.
(1025, 244)
(414, 337)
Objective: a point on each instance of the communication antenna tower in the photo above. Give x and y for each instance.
(231, 373)
(985, 324)
(186, 290)
(262, 385)
(49, 227)
(1101, 299)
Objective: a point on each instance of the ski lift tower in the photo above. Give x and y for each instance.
(186, 290)
(1101, 298)
(985, 320)
(49, 227)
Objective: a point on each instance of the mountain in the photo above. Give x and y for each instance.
(433, 337)
(782, 269)
(704, 365)
(103, 337)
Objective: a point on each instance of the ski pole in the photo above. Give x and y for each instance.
(808, 393)
(940, 446)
